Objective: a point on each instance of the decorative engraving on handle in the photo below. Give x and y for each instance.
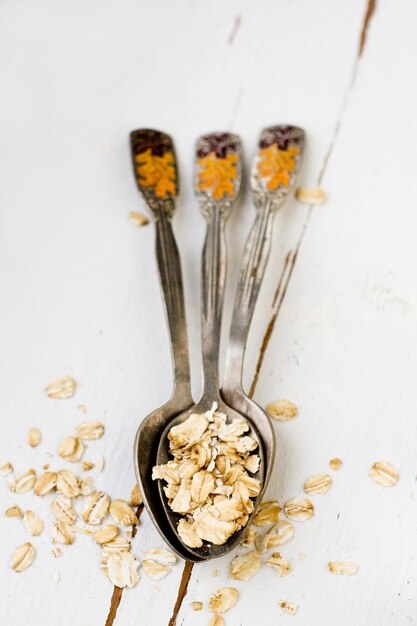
(277, 162)
(156, 175)
(155, 168)
(255, 256)
(218, 171)
(274, 172)
(217, 183)
(172, 287)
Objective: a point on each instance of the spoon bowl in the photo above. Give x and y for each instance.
(163, 456)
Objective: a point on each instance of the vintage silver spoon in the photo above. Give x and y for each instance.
(216, 194)
(156, 175)
(274, 172)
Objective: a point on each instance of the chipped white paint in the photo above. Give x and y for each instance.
(80, 294)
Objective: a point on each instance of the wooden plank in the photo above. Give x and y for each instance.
(80, 291)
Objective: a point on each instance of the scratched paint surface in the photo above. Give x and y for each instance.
(335, 329)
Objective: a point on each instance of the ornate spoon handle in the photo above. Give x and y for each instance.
(218, 176)
(173, 294)
(156, 175)
(214, 267)
(274, 173)
(254, 262)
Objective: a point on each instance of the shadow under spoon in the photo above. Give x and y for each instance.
(155, 170)
(275, 169)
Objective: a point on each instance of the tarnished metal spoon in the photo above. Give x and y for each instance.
(274, 172)
(218, 160)
(156, 175)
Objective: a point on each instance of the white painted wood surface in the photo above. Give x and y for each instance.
(79, 290)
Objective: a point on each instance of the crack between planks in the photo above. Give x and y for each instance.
(280, 290)
(118, 591)
(370, 10)
(182, 591)
(291, 258)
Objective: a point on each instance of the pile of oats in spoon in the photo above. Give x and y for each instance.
(208, 480)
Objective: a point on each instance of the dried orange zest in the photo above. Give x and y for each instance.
(217, 175)
(157, 173)
(275, 165)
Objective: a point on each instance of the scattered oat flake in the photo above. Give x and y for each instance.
(46, 466)
(161, 555)
(122, 513)
(61, 533)
(245, 566)
(267, 513)
(22, 557)
(288, 607)
(63, 511)
(280, 534)
(67, 484)
(106, 533)
(89, 430)
(87, 486)
(196, 606)
(25, 482)
(299, 509)
(310, 195)
(45, 483)
(82, 408)
(122, 569)
(33, 523)
(216, 573)
(279, 563)
(282, 410)
(335, 464)
(56, 577)
(320, 483)
(216, 620)
(96, 508)
(56, 552)
(156, 571)
(85, 466)
(71, 449)
(138, 219)
(6, 469)
(349, 568)
(62, 388)
(223, 599)
(34, 437)
(261, 541)
(118, 544)
(384, 474)
(14, 511)
(135, 497)
(100, 464)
